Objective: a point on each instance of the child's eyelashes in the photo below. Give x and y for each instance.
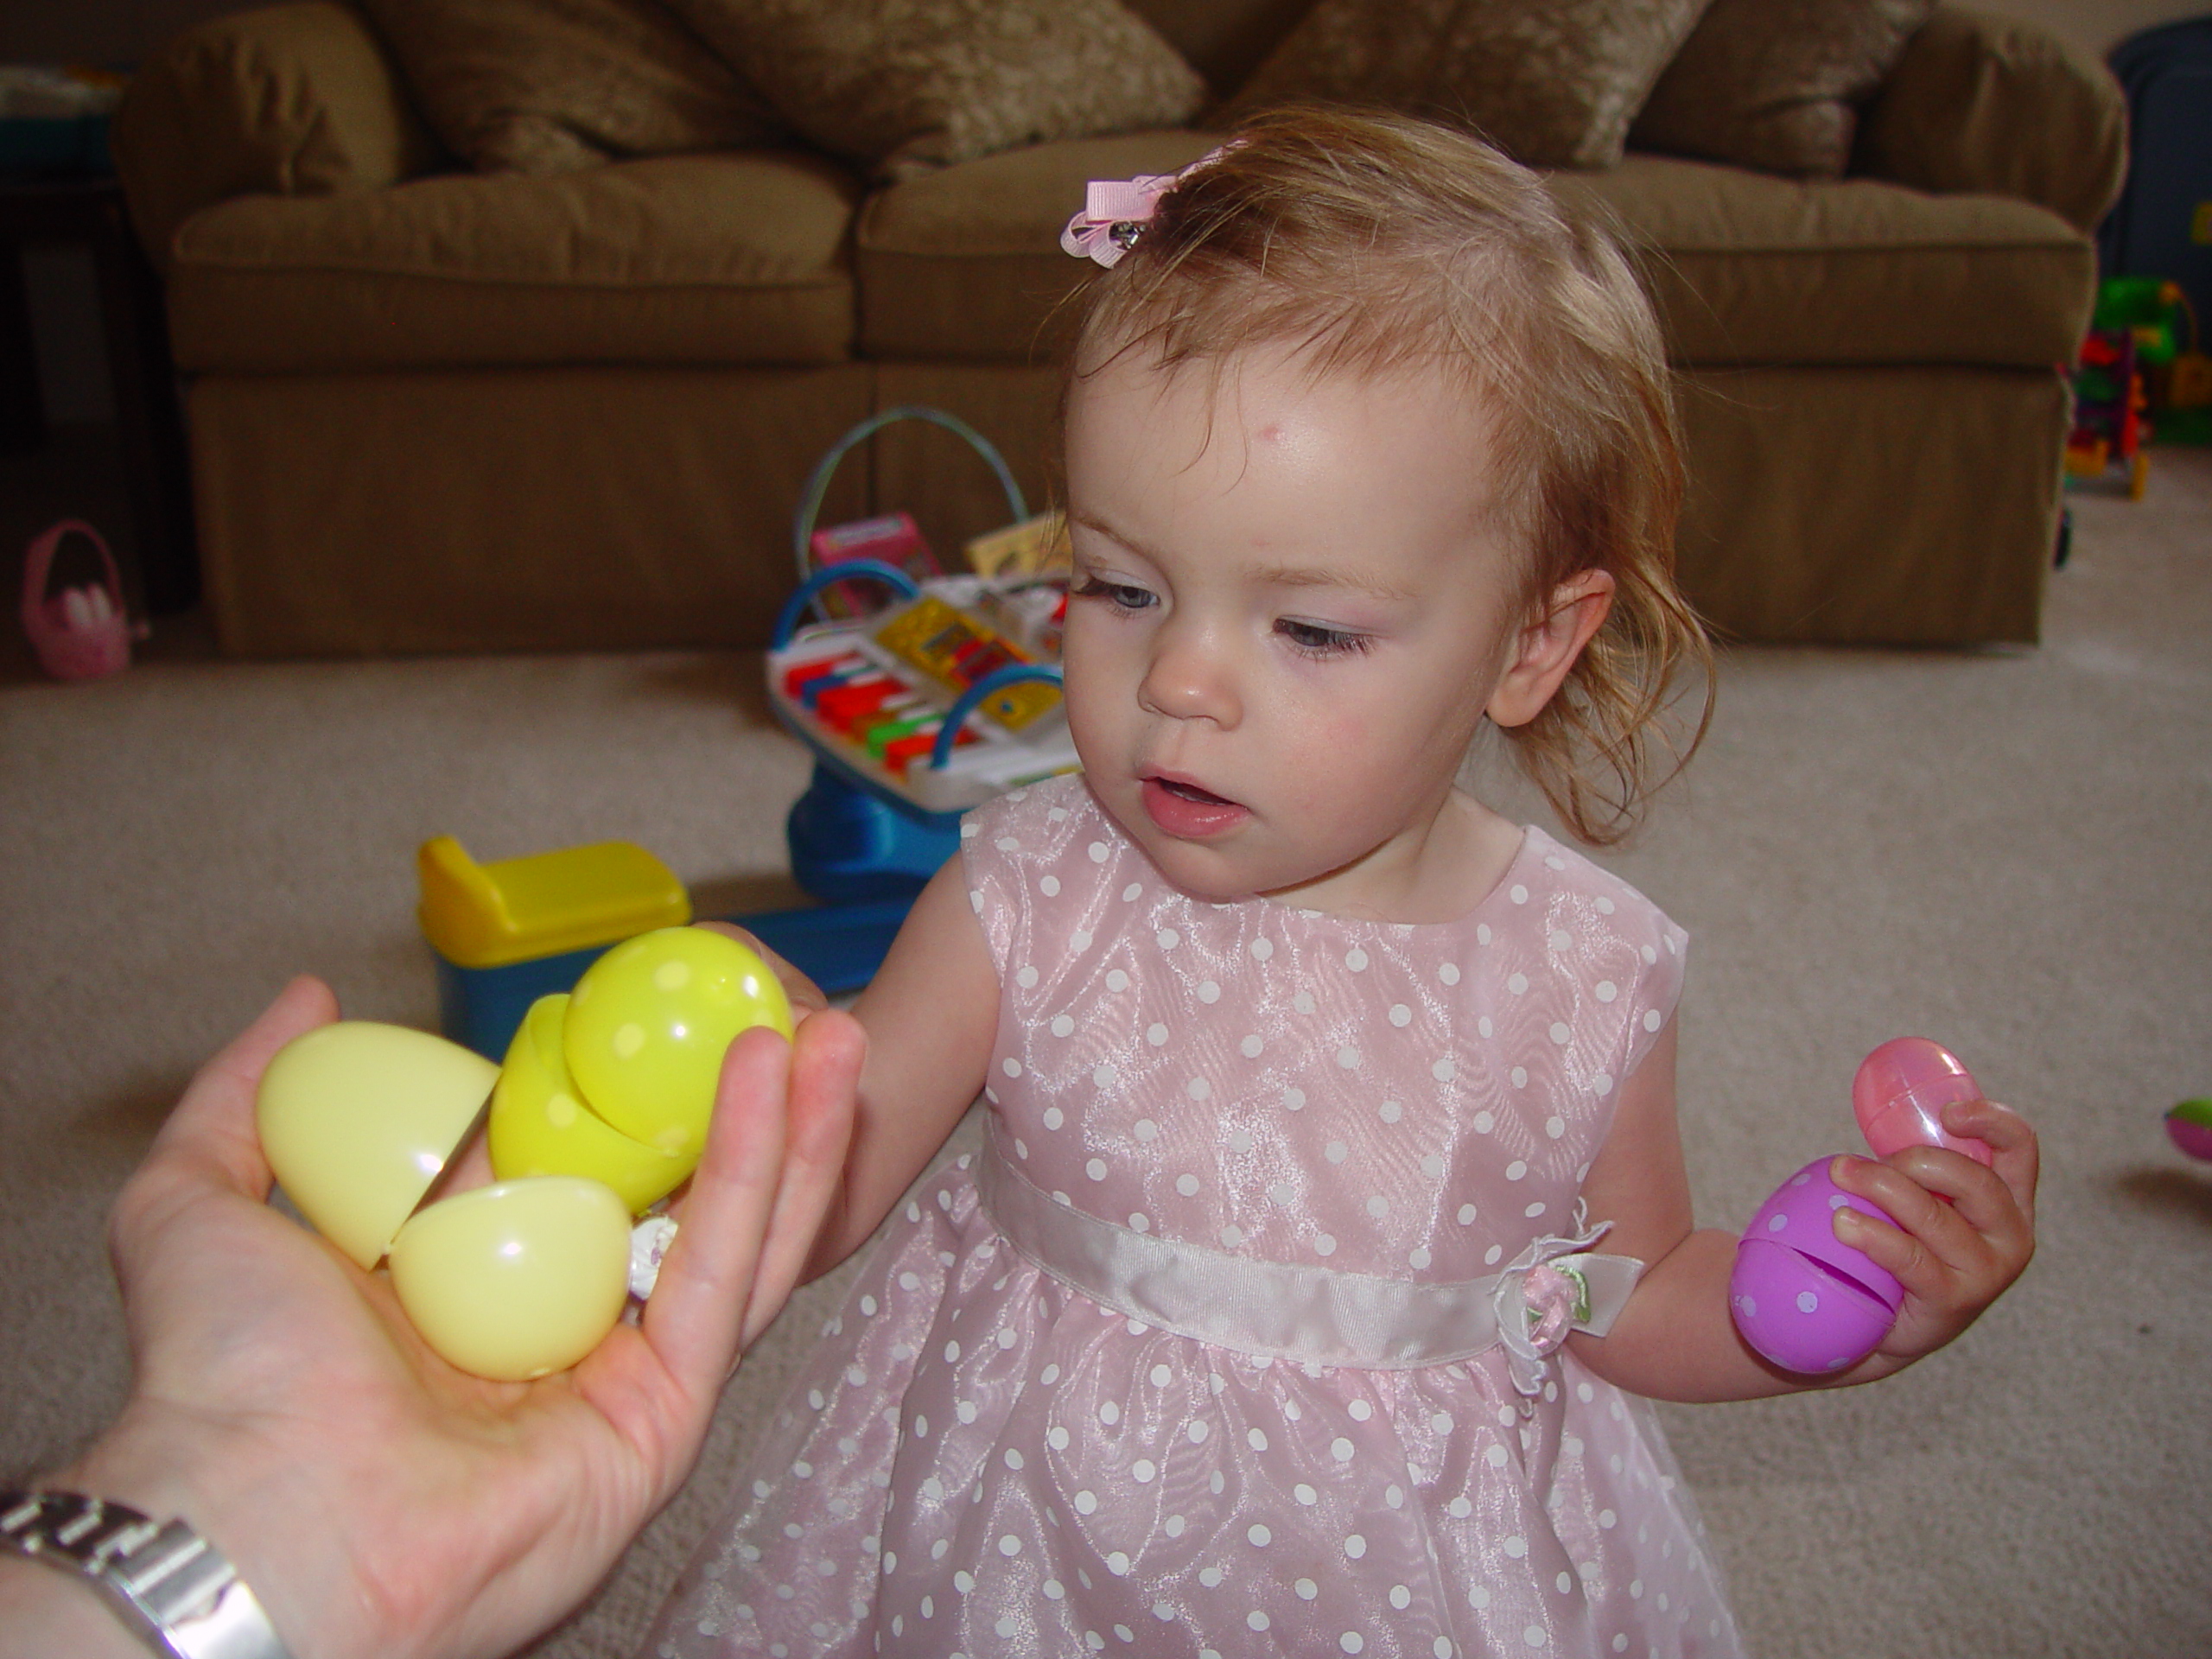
(1122, 596)
(1315, 641)
(1312, 640)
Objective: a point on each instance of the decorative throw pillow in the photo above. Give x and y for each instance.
(1555, 83)
(552, 86)
(1775, 84)
(904, 85)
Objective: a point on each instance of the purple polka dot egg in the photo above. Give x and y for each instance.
(1800, 1295)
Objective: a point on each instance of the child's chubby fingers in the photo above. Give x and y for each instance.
(1990, 1206)
(2015, 1154)
(1929, 1239)
(1959, 1238)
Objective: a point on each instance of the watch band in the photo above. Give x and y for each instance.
(170, 1586)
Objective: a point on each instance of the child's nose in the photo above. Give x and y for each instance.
(1190, 678)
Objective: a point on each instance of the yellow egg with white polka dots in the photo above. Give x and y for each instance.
(648, 1024)
(540, 1124)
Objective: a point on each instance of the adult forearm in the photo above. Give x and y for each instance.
(174, 1471)
(43, 1613)
(189, 1465)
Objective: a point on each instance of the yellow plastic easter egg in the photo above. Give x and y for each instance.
(540, 1124)
(512, 1280)
(648, 1024)
(357, 1119)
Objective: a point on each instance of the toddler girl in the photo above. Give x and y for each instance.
(1332, 1218)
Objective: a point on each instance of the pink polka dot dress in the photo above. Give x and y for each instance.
(1241, 1335)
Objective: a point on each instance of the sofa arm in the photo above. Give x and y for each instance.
(296, 99)
(1993, 105)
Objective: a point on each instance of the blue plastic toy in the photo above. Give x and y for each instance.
(943, 699)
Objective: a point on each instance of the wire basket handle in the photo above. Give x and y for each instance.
(794, 611)
(817, 483)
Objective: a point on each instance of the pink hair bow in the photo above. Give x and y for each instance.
(1115, 211)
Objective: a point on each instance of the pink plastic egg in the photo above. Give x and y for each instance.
(1900, 1093)
(1801, 1296)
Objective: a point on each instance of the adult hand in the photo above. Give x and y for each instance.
(818, 1166)
(378, 1501)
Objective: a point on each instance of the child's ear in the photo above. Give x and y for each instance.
(1565, 620)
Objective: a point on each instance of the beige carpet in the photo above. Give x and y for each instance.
(2011, 851)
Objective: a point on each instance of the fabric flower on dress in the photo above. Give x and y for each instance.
(1539, 1301)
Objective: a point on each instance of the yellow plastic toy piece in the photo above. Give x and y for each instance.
(542, 1125)
(2089, 459)
(1035, 547)
(490, 915)
(932, 636)
(358, 1119)
(514, 1281)
(647, 1026)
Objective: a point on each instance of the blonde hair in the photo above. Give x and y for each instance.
(1372, 243)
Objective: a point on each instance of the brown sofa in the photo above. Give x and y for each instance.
(437, 411)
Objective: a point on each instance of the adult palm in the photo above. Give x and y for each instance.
(379, 1500)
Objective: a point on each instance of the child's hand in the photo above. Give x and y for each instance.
(1954, 1259)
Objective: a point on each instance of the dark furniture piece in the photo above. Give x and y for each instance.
(435, 410)
(90, 213)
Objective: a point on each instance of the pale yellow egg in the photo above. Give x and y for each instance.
(517, 1280)
(358, 1119)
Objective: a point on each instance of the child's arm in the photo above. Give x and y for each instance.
(932, 1015)
(1675, 1340)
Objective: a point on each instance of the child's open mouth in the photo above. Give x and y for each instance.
(1187, 810)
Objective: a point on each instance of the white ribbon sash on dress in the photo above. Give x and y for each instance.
(1316, 1314)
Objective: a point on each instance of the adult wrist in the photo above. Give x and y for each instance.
(165, 1584)
(186, 1472)
(43, 1613)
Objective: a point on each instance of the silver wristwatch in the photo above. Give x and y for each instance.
(170, 1586)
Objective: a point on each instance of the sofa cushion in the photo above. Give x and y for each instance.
(1555, 83)
(1224, 40)
(301, 99)
(1746, 268)
(966, 264)
(1997, 104)
(906, 87)
(552, 86)
(1776, 83)
(738, 258)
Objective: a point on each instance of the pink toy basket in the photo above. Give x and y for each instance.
(80, 633)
